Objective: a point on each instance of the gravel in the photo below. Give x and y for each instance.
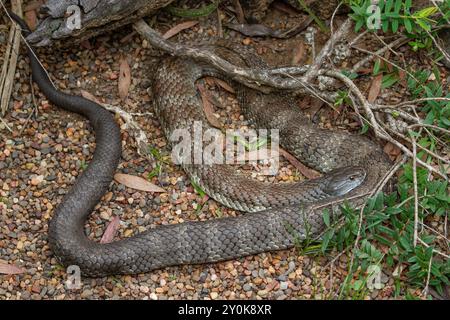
(47, 150)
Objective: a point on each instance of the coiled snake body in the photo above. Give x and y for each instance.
(281, 212)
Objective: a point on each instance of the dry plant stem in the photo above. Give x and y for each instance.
(426, 245)
(10, 61)
(418, 145)
(439, 253)
(6, 125)
(219, 23)
(326, 50)
(254, 78)
(443, 51)
(26, 43)
(139, 135)
(239, 11)
(396, 43)
(35, 107)
(425, 290)
(429, 126)
(401, 113)
(416, 200)
(332, 17)
(388, 61)
(354, 89)
(390, 174)
(439, 235)
(387, 46)
(358, 37)
(414, 102)
(379, 131)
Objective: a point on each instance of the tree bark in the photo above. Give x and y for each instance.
(96, 17)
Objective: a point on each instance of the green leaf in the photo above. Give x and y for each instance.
(198, 189)
(376, 67)
(405, 243)
(385, 25)
(395, 25)
(398, 5)
(326, 217)
(358, 285)
(408, 4)
(326, 240)
(423, 25)
(389, 80)
(359, 24)
(408, 25)
(389, 4)
(426, 12)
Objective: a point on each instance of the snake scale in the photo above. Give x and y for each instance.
(282, 213)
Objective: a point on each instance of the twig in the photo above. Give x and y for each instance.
(427, 284)
(219, 24)
(254, 78)
(429, 126)
(446, 256)
(379, 131)
(324, 53)
(416, 101)
(443, 51)
(6, 125)
(390, 174)
(139, 135)
(433, 154)
(416, 200)
(447, 240)
(35, 107)
(390, 110)
(239, 11)
(399, 42)
(333, 16)
(388, 61)
(10, 61)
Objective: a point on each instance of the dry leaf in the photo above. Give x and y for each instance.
(207, 107)
(124, 78)
(90, 96)
(137, 183)
(224, 85)
(375, 88)
(33, 5)
(6, 268)
(111, 230)
(391, 150)
(299, 53)
(178, 28)
(239, 12)
(31, 19)
(307, 172)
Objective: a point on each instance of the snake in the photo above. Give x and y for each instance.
(278, 214)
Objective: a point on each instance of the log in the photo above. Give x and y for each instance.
(96, 17)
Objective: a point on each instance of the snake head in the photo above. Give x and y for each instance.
(343, 180)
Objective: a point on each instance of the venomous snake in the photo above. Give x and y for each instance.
(282, 213)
